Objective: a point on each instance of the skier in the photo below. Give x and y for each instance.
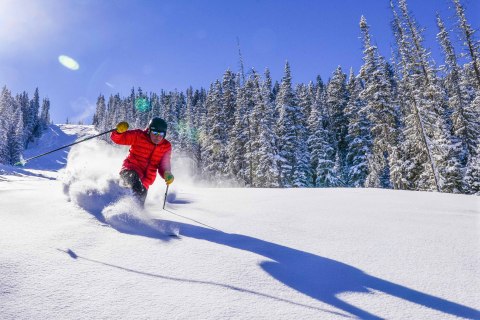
(149, 152)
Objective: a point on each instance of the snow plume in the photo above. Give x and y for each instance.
(190, 174)
(91, 181)
(90, 178)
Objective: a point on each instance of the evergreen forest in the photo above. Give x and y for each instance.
(403, 122)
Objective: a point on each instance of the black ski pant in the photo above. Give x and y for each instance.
(131, 179)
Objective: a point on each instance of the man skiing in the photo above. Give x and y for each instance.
(149, 152)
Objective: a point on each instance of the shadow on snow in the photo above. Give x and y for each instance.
(320, 278)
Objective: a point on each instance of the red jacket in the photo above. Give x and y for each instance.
(145, 157)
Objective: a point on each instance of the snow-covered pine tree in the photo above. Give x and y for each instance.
(214, 148)
(305, 95)
(239, 145)
(45, 114)
(24, 103)
(379, 108)
(428, 147)
(358, 138)
(155, 106)
(111, 113)
(314, 123)
(11, 128)
(99, 118)
(229, 96)
(200, 119)
(302, 172)
(199, 108)
(275, 90)
(4, 124)
(464, 124)
(264, 153)
(249, 99)
(472, 46)
(472, 175)
(14, 135)
(337, 99)
(34, 110)
(321, 143)
(189, 134)
(286, 129)
(178, 113)
(183, 122)
(29, 110)
(268, 86)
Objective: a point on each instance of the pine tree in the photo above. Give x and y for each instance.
(11, 128)
(314, 141)
(465, 125)
(155, 109)
(189, 136)
(200, 120)
(337, 99)
(428, 146)
(358, 138)
(472, 46)
(239, 148)
(263, 137)
(228, 98)
(45, 114)
(377, 95)
(185, 121)
(5, 115)
(321, 143)
(34, 109)
(472, 175)
(302, 171)
(177, 114)
(99, 118)
(464, 122)
(24, 103)
(286, 129)
(214, 153)
(15, 136)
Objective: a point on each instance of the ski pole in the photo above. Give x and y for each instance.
(22, 162)
(165, 197)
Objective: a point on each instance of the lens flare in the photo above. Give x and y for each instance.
(142, 104)
(68, 62)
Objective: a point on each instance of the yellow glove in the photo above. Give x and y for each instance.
(122, 127)
(168, 177)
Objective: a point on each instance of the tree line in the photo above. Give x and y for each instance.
(22, 120)
(403, 123)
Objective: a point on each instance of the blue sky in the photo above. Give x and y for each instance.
(174, 44)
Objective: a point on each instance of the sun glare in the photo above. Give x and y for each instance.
(68, 62)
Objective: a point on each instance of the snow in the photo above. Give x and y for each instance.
(73, 245)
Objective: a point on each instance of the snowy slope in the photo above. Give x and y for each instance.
(74, 246)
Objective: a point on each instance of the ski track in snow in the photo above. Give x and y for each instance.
(75, 245)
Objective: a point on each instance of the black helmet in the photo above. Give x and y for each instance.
(157, 124)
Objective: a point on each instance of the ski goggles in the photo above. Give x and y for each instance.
(158, 133)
